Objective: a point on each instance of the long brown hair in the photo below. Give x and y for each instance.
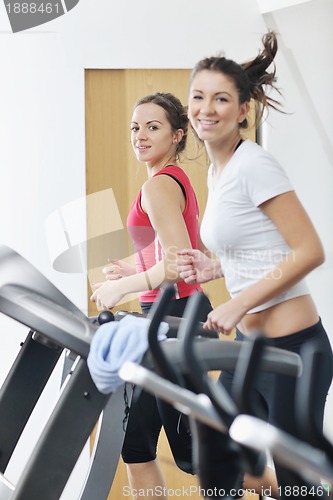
(251, 78)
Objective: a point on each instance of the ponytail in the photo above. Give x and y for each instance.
(251, 78)
(258, 76)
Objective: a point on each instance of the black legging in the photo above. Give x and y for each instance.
(148, 414)
(274, 398)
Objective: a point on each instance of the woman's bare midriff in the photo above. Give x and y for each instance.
(282, 319)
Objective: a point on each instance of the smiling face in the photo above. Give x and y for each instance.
(214, 109)
(153, 140)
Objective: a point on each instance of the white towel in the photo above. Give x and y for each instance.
(117, 342)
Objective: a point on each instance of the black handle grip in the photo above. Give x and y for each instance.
(105, 317)
(247, 369)
(186, 333)
(156, 315)
(215, 391)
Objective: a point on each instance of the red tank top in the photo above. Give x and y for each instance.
(147, 248)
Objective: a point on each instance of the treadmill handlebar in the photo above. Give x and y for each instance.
(58, 324)
(27, 296)
(174, 324)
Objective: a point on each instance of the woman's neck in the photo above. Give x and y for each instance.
(220, 153)
(153, 169)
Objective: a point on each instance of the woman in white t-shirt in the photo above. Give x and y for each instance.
(263, 238)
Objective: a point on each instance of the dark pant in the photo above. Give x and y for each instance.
(148, 414)
(274, 398)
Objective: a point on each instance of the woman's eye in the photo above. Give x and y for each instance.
(153, 127)
(197, 97)
(222, 99)
(134, 129)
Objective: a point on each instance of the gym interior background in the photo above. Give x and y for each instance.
(43, 125)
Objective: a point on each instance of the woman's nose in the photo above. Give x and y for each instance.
(207, 106)
(141, 135)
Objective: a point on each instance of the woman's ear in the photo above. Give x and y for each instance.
(243, 111)
(178, 136)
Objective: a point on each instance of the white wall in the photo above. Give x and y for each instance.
(42, 152)
(303, 140)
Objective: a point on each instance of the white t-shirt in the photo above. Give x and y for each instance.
(245, 240)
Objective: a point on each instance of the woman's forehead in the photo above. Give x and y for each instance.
(214, 80)
(149, 111)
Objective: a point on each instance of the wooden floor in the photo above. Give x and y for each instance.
(176, 480)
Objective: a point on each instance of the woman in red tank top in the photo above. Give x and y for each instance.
(164, 216)
(163, 219)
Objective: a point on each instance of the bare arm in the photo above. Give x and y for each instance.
(195, 266)
(163, 201)
(289, 216)
(307, 253)
(198, 265)
(118, 269)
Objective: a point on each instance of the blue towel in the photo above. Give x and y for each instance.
(117, 342)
